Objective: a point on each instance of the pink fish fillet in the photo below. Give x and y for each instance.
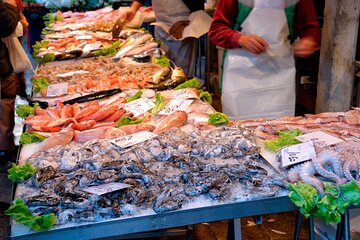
(130, 129)
(176, 119)
(62, 138)
(98, 133)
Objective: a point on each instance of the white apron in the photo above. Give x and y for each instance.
(181, 52)
(261, 86)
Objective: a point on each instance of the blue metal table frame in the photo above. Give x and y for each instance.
(125, 226)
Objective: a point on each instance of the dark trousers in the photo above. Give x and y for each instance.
(9, 88)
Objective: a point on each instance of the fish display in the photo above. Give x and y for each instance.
(100, 74)
(165, 173)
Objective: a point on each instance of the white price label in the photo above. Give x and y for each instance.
(297, 153)
(185, 93)
(55, 90)
(132, 139)
(319, 138)
(106, 188)
(69, 74)
(139, 106)
(84, 37)
(175, 105)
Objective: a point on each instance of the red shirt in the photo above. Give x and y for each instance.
(221, 32)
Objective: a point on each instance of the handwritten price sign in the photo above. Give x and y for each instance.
(176, 105)
(297, 153)
(106, 188)
(55, 90)
(132, 139)
(184, 94)
(320, 138)
(139, 106)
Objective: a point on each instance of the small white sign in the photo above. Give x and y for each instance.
(139, 106)
(185, 93)
(297, 153)
(55, 90)
(319, 138)
(175, 105)
(106, 188)
(84, 37)
(69, 74)
(132, 139)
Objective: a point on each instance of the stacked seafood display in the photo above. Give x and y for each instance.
(166, 173)
(70, 35)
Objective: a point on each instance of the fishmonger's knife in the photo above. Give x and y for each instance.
(118, 26)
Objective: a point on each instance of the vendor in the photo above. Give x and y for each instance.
(182, 53)
(9, 17)
(259, 69)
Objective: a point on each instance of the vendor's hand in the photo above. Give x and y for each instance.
(127, 14)
(253, 43)
(305, 47)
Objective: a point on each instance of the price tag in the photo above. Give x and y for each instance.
(139, 106)
(84, 37)
(175, 105)
(297, 153)
(185, 93)
(106, 188)
(132, 139)
(69, 74)
(55, 90)
(319, 138)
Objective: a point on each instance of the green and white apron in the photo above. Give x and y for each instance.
(263, 85)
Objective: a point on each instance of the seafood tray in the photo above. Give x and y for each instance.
(191, 175)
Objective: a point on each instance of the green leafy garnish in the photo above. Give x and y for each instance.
(331, 205)
(127, 120)
(108, 51)
(205, 96)
(23, 215)
(46, 32)
(162, 61)
(48, 57)
(218, 118)
(50, 18)
(39, 84)
(136, 96)
(28, 138)
(351, 192)
(24, 110)
(285, 139)
(36, 47)
(17, 173)
(159, 103)
(304, 196)
(192, 83)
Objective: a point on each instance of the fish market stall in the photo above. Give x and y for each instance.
(122, 142)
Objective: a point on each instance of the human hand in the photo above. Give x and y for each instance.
(127, 14)
(305, 47)
(253, 43)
